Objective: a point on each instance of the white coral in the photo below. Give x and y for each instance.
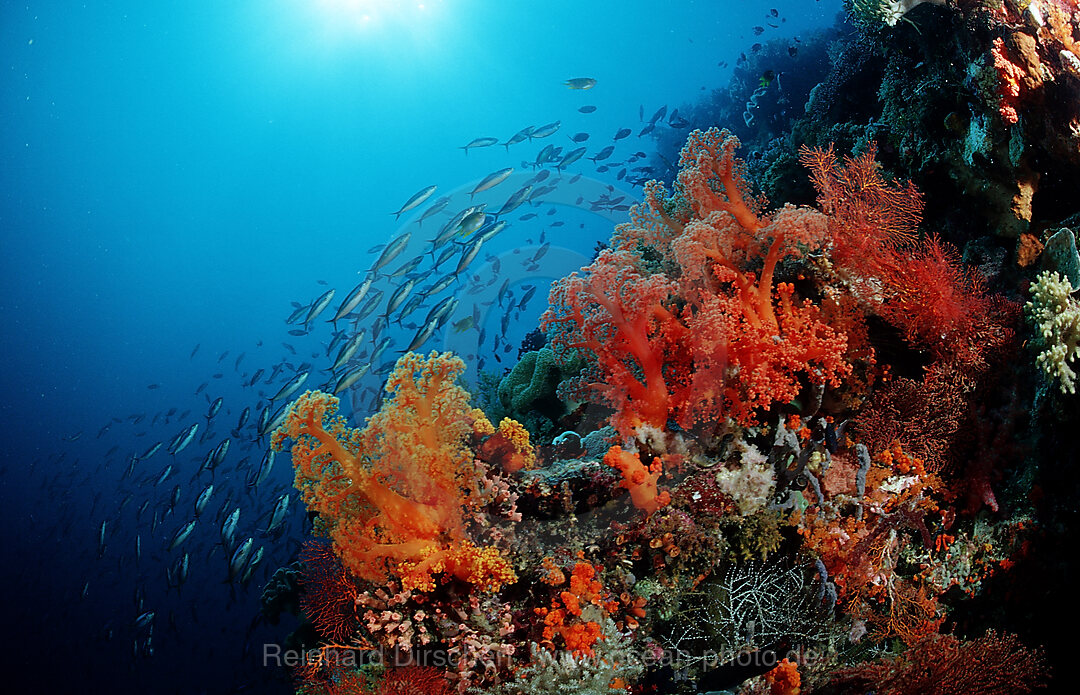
(751, 485)
(1056, 316)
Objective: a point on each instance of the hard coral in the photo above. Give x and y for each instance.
(1056, 316)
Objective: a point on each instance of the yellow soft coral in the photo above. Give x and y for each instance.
(393, 496)
(508, 446)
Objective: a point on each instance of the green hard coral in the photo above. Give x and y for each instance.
(533, 378)
(1056, 316)
(529, 392)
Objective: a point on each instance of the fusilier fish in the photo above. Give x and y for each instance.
(319, 305)
(239, 558)
(581, 83)
(351, 377)
(290, 388)
(491, 180)
(546, 130)
(348, 350)
(480, 142)
(416, 200)
(392, 251)
(181, 535)
(183, 439)
(204, 499)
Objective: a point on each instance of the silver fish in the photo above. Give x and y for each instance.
(435, 209)
(144, 620)
(263, 471)
(379, 350)
(181, 534)
(319, 305)
(487, 234)
(491, 180)
(398, 297)
(416, 200)
(440, 285)
(183, 439)
(277, 517)
(354, 299)
(251, 565)
(423, 335)
(277, 419)
(603, 154)
(546, 130)
(441, 310)
(369, 305)
(290, 388)
(514, 201)
(392, 251)
(348, 350)
(239, 558)
(351, 377)
(468, 256)
(228, 527)
(480, 142)
(571, 157)
(150, 452)
(520, 136)
(204, 499)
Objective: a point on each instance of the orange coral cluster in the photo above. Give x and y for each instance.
(508, 446)
(564, 618)
(784, 679)
(393, 497)
(862, 553)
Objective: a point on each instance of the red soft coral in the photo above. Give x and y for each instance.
(684, 320)
(617, 314)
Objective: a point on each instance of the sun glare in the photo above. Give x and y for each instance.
(369, 15)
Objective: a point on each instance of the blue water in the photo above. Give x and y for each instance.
(179, 174)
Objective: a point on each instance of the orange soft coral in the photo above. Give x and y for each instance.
(638, 479)
(394, 496)
(784, 679)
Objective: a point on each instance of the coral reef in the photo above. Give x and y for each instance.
(797, 470)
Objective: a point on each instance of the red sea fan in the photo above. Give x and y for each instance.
(329, 597)
(995, 664)
(940, 305)
(867, 214)
(415, 680)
